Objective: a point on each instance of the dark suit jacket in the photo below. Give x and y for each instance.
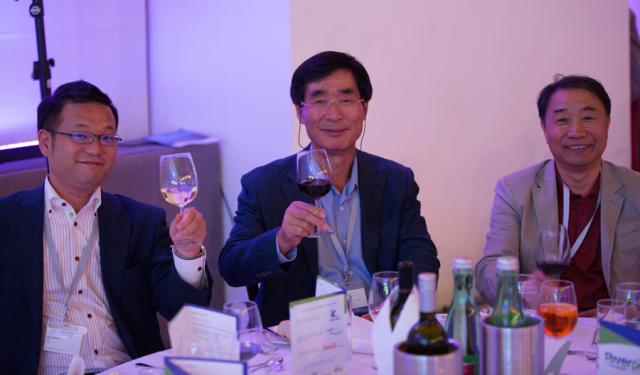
(392, 230)
(137, 272)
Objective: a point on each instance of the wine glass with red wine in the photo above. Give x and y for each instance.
(554, 254)
(314, 175)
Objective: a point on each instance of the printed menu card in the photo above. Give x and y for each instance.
(319, 339)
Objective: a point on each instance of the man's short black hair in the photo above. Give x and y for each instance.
(324, 64)
(572, 82)
(73, 92)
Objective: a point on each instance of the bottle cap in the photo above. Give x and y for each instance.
(462, 263)
(507, 263)
(427, 281)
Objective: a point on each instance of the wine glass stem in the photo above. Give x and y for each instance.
(316, 203)
(181, 210)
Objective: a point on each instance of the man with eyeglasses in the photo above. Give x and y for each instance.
(372, 206)
(83, 272)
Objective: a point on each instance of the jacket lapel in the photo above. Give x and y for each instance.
(308, 246)
(27, 228)
(115, 229)
(610, 211)
(370, 186)
(545, 199)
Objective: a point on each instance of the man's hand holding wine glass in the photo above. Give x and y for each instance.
(188, 230)
(300, 220)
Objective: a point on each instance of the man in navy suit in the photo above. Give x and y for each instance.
(83, 272)
(372, 207)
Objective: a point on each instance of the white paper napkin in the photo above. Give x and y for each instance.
(361, 335)
(384, 340)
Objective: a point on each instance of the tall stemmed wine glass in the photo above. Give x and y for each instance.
(558, 307)
(382, 284)
(178, 179)
(314, 175)
(554, 253)
(630, 293)
(250, 335)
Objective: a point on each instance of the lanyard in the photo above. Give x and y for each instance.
(57, 268)
(565, 220)
(342, 252)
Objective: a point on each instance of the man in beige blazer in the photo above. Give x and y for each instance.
(603, 217)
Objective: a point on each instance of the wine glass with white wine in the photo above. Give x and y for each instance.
(178, 179)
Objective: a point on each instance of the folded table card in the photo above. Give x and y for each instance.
(319, 334)
(202, 332)
(203, 366)
(618, 349)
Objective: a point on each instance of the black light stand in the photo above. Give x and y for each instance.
(41, 68)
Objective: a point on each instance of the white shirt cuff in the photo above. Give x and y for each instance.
(291, 255)
(191, 270)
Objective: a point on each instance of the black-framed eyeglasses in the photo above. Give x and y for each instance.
(86, 137)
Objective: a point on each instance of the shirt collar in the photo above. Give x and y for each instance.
(593, 194)
(52, 199)
(352, 183)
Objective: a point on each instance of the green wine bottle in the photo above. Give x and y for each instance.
(463, 320)
(405, 269)
(508, 310)
(427, 337)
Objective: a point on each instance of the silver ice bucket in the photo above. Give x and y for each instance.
(443, 364)
(517, 351)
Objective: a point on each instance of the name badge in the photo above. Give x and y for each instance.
(358, 298)
(64, 338)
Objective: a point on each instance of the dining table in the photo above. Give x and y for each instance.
(580, 360)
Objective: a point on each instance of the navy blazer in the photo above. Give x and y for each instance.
(391, 226)
(137, 273)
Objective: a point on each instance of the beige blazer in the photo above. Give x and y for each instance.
(525, 204)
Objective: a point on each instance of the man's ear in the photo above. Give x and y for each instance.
(365, 107)
(299, 113)
(45, 142)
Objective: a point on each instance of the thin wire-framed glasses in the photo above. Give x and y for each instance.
(321, 104)
(86, 137)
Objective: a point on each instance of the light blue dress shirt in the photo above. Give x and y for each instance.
(331, 259)
(338, 206)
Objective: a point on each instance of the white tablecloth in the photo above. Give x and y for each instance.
(363, 363)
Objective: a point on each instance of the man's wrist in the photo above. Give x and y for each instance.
(283, 246)
(179, 251)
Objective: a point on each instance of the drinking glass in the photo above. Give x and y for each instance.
(558, 307)
(250, 336)
(554, 253)
(609, 310)
(529, 292)
(382, 283)
(629, 292)
(178, 179)
(314, 176)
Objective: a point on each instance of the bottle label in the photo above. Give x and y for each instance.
(470, 365)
